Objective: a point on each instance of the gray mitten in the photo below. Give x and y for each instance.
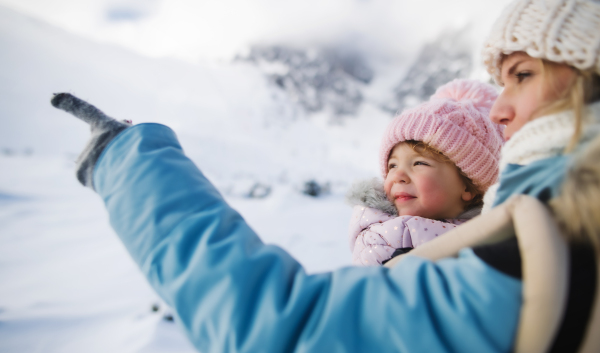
(104, 129)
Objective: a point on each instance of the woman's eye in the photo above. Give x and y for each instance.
(522, 75)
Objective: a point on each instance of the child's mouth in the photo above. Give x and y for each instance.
(403, 197)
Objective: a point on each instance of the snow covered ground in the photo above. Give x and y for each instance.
(66, 282)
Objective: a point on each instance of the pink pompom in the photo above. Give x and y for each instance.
(481, 95)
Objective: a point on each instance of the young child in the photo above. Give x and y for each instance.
(437, 161)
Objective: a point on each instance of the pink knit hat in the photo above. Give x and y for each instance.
(455, 121)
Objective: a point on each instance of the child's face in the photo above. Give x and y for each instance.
(525, 90)
(422, 186)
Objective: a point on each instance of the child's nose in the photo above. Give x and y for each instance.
(402, 177)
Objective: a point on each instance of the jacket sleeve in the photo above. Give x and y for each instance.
(378, 239)
(367, 240)
(232, 293)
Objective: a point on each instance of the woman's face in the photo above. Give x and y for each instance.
(525, 90)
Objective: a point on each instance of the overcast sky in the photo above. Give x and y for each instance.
(192, 29)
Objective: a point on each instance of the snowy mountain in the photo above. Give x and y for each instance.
(334, 81)
(318, 80)
(228, 108)
(447, 58)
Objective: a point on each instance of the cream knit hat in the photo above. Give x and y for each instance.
(456, 122)
(562, 31)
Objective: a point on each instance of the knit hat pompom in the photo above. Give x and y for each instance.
(455, 121)
(481, 95)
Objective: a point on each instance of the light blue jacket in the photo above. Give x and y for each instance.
(232, 293)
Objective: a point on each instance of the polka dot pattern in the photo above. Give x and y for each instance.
(374, 235)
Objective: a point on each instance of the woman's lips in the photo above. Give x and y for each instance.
(403, 197)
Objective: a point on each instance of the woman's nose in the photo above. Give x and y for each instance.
(502, 111)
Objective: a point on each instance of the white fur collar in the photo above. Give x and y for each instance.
(370, 193)
(548, 136)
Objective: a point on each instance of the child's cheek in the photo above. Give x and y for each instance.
(387, 187)
(431, 192)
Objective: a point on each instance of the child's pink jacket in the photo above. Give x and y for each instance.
(374, 235)
(376, 231)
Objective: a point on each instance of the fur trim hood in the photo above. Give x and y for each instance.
(370, 193)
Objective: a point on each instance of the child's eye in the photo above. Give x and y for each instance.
(522, 75)
(391, 166)
(420, 163)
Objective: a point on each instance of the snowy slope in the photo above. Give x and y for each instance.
(67, 284)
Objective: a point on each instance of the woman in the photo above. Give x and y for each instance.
(233, 293)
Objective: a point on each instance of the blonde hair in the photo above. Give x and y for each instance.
(577, 207)
(426, 150)
(583, 89)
